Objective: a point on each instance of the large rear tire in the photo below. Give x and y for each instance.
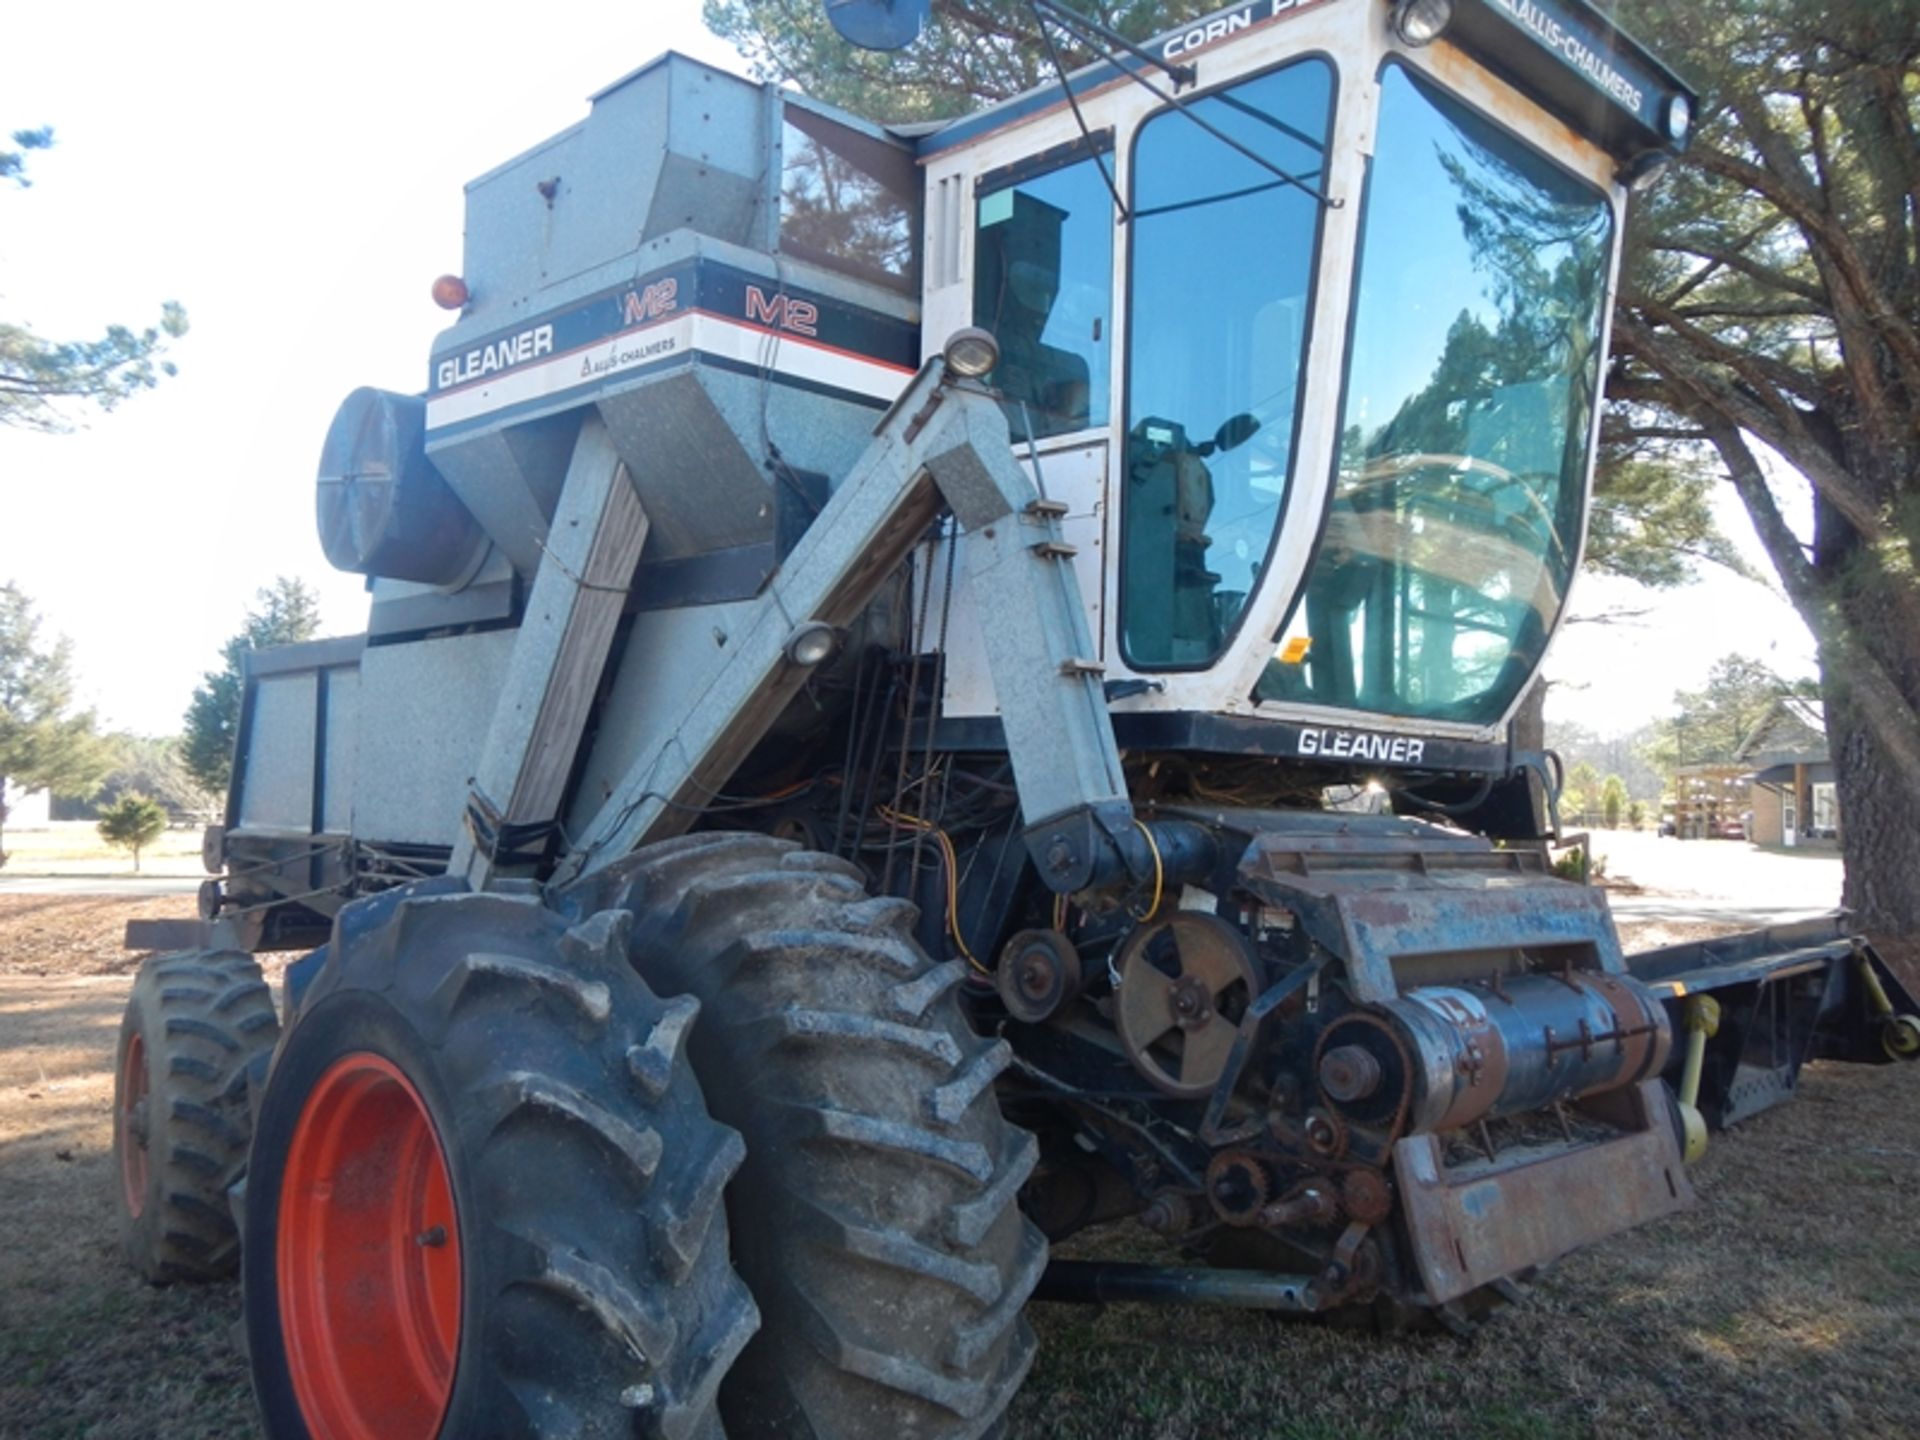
(485, 1196)
(198, 1030)
(875, 1216)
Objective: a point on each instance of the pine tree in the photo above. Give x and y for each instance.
(45, 743)
(37, 375)
(1772, 304)
(133, 822)
(287, 611)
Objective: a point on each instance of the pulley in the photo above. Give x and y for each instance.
(1185, 981)
(1038, 975)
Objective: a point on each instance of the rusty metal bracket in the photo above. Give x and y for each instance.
(1374, 895)
(1270, 1000)
(1475, 1224)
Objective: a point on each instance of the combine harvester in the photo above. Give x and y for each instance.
(929, 689)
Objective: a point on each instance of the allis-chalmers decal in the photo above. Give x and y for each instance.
(1560, 38)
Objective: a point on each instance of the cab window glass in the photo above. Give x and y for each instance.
(1471, 384)
(1223, 253)
(848, 201)
(1043, 284)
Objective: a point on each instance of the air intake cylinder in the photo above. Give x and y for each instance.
(381, 506)
(1500, 1048)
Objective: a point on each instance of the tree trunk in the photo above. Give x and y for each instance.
(1879, 833)
(1879, 795)
(3, 822)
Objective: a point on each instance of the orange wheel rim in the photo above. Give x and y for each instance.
(368, 1258)
(131, 1117)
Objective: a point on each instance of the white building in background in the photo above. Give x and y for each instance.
(29, 811)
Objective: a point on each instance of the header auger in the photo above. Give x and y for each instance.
(924, 692)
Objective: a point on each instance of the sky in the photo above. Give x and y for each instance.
(1625, 649)
(293, 176)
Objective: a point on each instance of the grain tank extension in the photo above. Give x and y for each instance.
(928, 689)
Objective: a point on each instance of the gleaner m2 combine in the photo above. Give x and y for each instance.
(929, 690)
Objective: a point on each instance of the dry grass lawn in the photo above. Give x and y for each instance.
(1786, 1304)
(74, 847)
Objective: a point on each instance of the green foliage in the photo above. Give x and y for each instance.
(1613, 801)
(1709, 723)
(132, 823)
(286, 612)
(1580, 796)
(39, 376)
(1652, 520)
(974, 52)
(45, 743)
(1770, 307)
(1636, 813)
(1622, 755)
(156, 768)
(1580, 865)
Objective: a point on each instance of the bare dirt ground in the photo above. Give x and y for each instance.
(1786, 1304)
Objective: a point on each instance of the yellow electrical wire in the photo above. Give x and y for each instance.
(1060, 913)
(951, 861)
(1159, 872)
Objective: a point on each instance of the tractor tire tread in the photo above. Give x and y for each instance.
(614, 1308)
(209, 1025)
(894, 1268)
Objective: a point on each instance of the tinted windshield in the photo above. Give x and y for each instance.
(1455, 521)
(1223, 253)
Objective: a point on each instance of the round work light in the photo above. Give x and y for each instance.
(1645, 169)
(812, 643)
(1679, 118)
(972, 352)
(1419, 22)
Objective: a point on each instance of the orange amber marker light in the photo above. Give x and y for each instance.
(1295, 650)
(450, 292)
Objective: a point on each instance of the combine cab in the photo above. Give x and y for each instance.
(924, 692)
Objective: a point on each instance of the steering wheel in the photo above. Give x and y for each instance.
(1271, 447)
(1393, 467)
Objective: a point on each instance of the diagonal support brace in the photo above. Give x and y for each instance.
(599, 529)
(944, 442)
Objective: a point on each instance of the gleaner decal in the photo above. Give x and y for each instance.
(495, 355)
(704, 311)
(1203, 33)
(1359, 745)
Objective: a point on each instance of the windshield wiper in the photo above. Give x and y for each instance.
(1119, 205)
(1091, 34)
(1194, 204)
(1272, 121)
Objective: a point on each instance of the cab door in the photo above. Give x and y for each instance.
(1043, 237)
